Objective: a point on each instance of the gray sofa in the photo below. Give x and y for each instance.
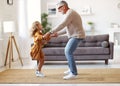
(96, 47)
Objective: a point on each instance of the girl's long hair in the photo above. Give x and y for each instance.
(34, 28)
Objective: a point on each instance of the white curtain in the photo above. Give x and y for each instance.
(29, 11)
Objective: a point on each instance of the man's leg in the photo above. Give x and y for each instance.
(69, 49)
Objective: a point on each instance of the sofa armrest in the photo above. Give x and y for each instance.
(111, 49)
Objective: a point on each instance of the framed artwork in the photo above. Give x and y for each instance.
(51, 9)
(87, 10)
(10, 2)
(118, 5)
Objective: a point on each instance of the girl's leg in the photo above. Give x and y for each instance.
(40, 64)
(41, 61)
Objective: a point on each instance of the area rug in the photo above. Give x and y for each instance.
(55, 76)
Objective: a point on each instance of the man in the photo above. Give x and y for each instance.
(74, 32)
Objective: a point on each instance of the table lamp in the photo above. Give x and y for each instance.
(9, 27)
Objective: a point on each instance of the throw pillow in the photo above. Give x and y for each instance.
(104, 44)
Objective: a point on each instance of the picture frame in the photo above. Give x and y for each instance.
(118, 5)
(10, 2)
(51, 9)
(86, 11)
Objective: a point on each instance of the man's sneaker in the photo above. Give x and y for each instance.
(67, 72)
(69, 76)
(39, 74)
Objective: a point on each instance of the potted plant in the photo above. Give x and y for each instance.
(90, 25)
(44, 21)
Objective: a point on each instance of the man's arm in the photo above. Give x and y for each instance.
(62, 32)
(66, 21)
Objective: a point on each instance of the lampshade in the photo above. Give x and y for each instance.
(9, 26)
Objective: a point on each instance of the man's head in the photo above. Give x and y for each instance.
(62, 7)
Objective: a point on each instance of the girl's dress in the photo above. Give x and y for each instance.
(36, 50)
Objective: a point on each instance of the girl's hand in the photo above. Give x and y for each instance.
(47, 36)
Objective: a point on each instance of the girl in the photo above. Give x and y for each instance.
(36, 50)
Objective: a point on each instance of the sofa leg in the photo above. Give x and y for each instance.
(106, 61)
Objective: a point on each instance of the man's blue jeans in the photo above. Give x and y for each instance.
(69, 49)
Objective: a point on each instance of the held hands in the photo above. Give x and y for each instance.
(54, 35)
(48, 36)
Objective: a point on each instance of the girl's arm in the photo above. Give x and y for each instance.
(46, 36)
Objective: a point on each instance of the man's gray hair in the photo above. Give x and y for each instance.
(61, 3)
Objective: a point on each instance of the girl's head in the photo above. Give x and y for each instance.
(36, 26)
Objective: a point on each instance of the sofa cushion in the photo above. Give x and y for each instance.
(90, 44)
(91, 51)
(55, 45)
(52, 51)
(79, 51)
(94, 40)
(89, 41)
(57, 42)
(60, 39)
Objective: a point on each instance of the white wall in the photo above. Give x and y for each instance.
(23, 12)
(28, 13)
(7, 12)
(105, 12)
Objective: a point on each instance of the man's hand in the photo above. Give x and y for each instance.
(54, 35)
